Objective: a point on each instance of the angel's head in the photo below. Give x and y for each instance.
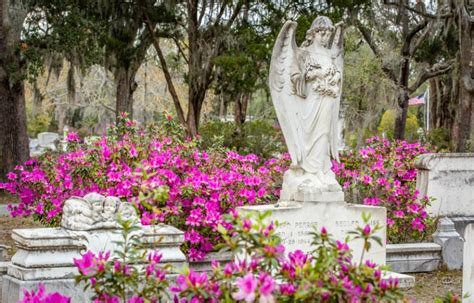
(320, 32)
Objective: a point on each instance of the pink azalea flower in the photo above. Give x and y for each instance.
(246, 288)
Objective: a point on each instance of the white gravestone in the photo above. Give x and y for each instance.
(449, 179)
(45, 255)
(468, 264)
(297, 221)
(47, 139)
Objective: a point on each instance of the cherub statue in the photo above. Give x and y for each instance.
(109, 214)
(77, 214)
(305, 84)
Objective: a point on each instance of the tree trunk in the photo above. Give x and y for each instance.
(401, 115)
(466, 83)
(125, 86)
(14, 148)
(13, 133)
(195, 102)
(240, 111)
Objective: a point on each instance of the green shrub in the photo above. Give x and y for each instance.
(257, 137)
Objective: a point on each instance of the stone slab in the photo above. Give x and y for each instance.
(298, 220)
(45, 255)
(46, 138)
(449, 178)
(468, 264)
(404, 281)
(4, 209)
(12, 290)
(413, 257)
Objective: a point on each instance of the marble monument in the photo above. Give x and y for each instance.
(45, 255)
(305, 83)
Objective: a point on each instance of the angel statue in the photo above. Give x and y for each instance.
(305, 85)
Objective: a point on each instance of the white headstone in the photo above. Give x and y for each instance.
(297, 221)
(34, 143)
(468, 264)
(448, 178)
(47, 139)
(45, 255)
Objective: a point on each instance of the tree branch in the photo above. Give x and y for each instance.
(237, 10)
(410, 36)
(181, 51)
(368, 38)
(423, 14)
(418, 42)
(164, 66)
(426, 74)
(202, 13)
(106, 106)
(221, 12)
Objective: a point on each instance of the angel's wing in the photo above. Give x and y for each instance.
(337, 53)
(283, 58)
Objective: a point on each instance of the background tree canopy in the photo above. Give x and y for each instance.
(84, 62)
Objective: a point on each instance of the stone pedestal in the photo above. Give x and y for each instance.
(468, 264)
(447, 177)
(45, 255)
(413, 257)
(298, 219)
(451, 243)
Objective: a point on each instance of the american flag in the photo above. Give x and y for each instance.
(418, 99)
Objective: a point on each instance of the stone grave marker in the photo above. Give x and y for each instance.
(298, 220)
(47, 139)
(306, 86)
(468, 264)
(45, 255)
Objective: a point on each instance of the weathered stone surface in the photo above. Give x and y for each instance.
(3, 252)
(306, 84)
(47, 139)
(205, 265)
(404, 281)
(451, 243)
(413, 257)
(449, 178)
(95, 211)
(46, 254)
(468, 264)
(298, 220)
(12, 289)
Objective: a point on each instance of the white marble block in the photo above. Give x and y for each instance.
(47, 139)
(298, 220)
(447, 177)
(45, 255)
(468, 264)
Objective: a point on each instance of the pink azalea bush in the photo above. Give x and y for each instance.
(383, 174)
(117, 278)
(263, 272)
(41, 296)
(168, 177)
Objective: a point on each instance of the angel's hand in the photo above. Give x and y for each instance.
(294, 78)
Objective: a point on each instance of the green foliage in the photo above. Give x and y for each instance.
(388, 122)
(131, 270)
(40, 123)
(441, 138)
(257, 137)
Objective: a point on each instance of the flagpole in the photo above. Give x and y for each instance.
(427, 104)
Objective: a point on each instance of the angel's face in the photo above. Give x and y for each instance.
(323, 36)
